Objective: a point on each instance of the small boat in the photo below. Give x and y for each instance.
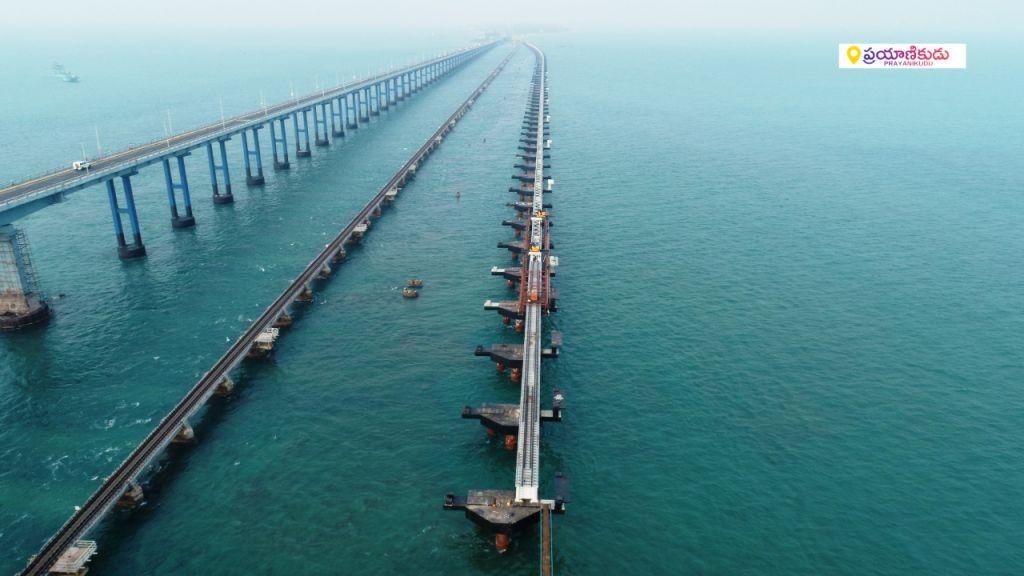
(409, 292)
(415, 283)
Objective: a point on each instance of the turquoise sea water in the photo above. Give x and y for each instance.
(790, 296)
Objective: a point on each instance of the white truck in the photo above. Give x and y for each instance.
(81, 164)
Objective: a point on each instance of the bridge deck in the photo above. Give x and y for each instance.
(528, 449)
(104, 498)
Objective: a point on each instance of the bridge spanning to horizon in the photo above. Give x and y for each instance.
(507, 512)
(327, 114)
(65, 552)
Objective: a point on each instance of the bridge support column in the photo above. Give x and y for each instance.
(132, 496)
(225, 387)
(393, 90)
(283, 321)
(280, 162)
(337, 123)
(320, 124)
(301, 132)
(185, 435)
(136, 249)
(374, 93)
(253, 154)
(364, 105)
(226, 197)
(21, 305)
(382, 95)
(354, 108)
(178, 220)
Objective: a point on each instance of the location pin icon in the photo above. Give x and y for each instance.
(853, 53)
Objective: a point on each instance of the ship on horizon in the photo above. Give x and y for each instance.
(61, 72)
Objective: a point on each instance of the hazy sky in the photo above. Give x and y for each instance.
(968, 16)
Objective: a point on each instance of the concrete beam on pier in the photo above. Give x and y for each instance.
(499, 512)
(504, 418)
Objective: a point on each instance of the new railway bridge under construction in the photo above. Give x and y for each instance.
(505, 512)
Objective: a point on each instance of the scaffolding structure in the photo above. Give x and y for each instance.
(17, 274)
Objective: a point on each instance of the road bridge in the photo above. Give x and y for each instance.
(326, 114)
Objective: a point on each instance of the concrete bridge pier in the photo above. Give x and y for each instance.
(132, 497)
(225, 387)
(178, 220)
(382, 98)
(306, 296)
(21, 305)
(136, 249)
(371, 100)
(364, 105)
(219, 197)
(393, 90)
(320, 125)
(374, 99)
(352, 107)
(301, 133)
(252, 155)
(283, 321)
(337, 120)
(280, 162)
(185, 435)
